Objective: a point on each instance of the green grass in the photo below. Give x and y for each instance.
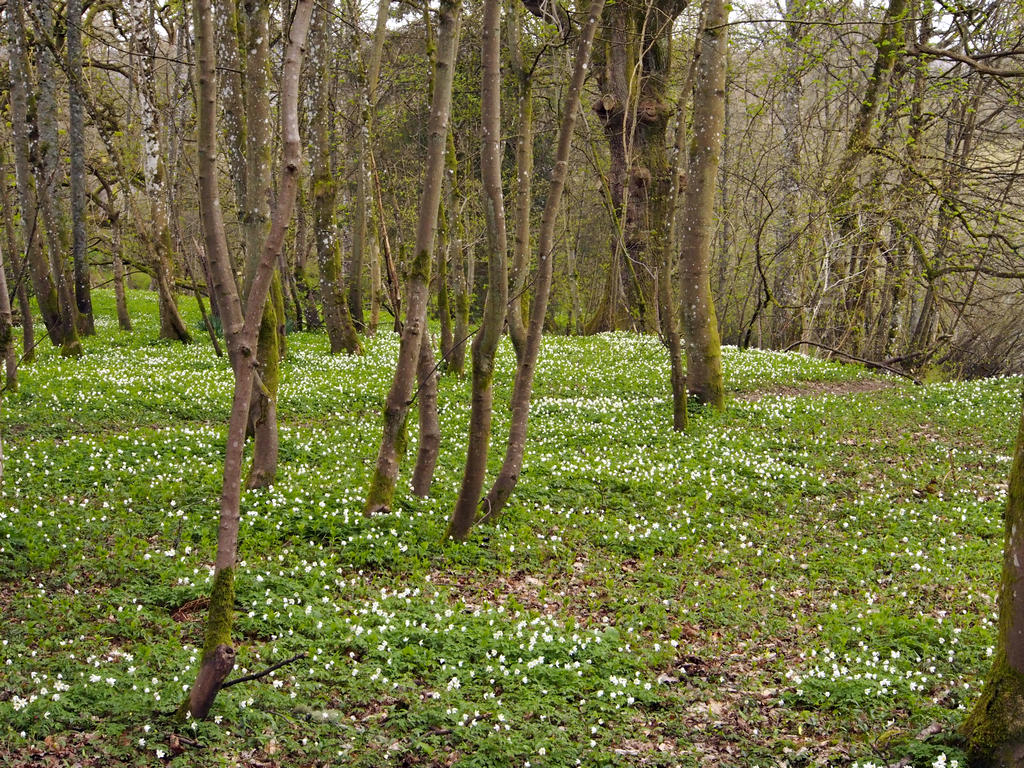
(807, 579)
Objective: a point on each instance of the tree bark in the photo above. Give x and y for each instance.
(76, 141)
(172, 326)
(994, 730)
(700, 326)
(485, 344)
(340, 330)
(524, 180)
(430, 426)
(17, 270)
(522, 389)
(241, 327)
(59, 327)
(382, 485)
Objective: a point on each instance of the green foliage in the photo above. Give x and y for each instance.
(805, 574)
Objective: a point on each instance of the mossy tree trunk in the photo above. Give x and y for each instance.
(14, 263)
(994, 731)
(396, 408)
(511, 466)
(485, 344)
(700, 326)
(341, 332)
(59, 327)
(256, 222)
(241, 324)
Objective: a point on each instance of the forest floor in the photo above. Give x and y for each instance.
(802, 580)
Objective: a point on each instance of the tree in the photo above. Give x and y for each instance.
(172, 326)
(511, 466)
(994, 730)
(341, 332)
(396, 407)
(485, 344)
(241, 323)
(76, 141)
(60, 324)
(700, 326)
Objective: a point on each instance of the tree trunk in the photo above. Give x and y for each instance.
(76, 141)
(430, 427)
(59, 327)
(124, 320)
(241, 329)
(485, 344)
(512, 464)
(700, 327)
(50, 173)
(524, 180)
(340, 330)
(445, 234)
(256, 219)
(17, 271)
(7, 349)
(994, 730)
(457, 356)
(172, 326)
(382, 485)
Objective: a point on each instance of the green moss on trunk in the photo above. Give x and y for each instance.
(220, 616)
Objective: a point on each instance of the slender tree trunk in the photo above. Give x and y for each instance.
(703, 348)
(430, 427)
(522, 389)
(241, 328)
(445, 234)
(524, 180)
(396, 408)
(17, 269)
(668, 182)
(372, 78)
(59, 327)
(7, 348)
(486, 342)
(457, 356)
(76, 139)
(124, 320)
(340, 330)
(172, 326)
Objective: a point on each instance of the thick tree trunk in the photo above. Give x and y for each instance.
(396, 408)
(994, 731)
(512, 464)
(50, 174)
(486, 342)
(256, 220)
(700, 327)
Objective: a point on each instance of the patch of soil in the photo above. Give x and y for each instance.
(819, 389)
